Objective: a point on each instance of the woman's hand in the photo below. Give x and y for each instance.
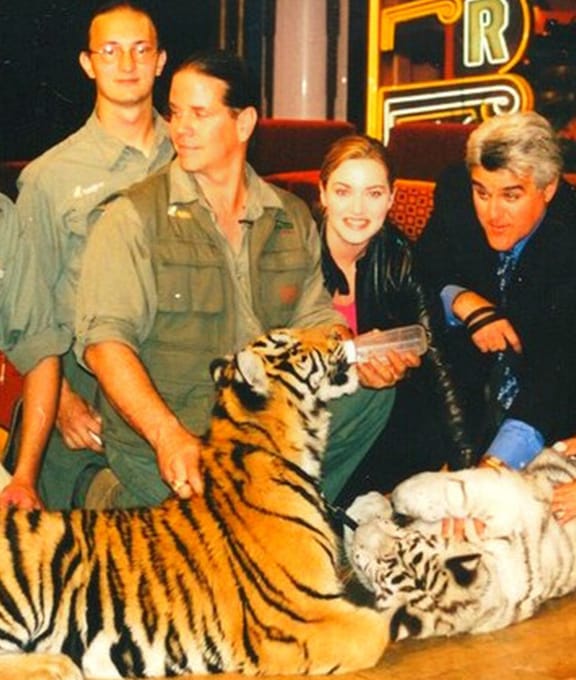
(380, 373)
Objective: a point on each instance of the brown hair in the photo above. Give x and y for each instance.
(354, 147)
(115, 5)
(241, 87)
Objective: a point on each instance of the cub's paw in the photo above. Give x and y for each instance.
(372, 505)
(371, 545)
(38, 667)
(364, 509)
(429, 496)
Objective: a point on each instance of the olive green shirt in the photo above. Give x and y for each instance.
(28, 332)
(119, 246)
(179, 297)
(59, 190)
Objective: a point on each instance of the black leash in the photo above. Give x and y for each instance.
(340, 516)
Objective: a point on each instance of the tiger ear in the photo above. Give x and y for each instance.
(464, 568)
(250, 369)
(217, 367)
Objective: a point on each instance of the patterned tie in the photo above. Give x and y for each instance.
(508, 383)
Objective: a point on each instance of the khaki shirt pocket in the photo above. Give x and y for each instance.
(282, 278)
(190, 290)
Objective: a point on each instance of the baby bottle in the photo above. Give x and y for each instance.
(377, 343)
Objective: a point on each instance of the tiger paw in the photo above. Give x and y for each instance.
(38, 667)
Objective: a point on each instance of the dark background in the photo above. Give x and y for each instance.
(44, 94)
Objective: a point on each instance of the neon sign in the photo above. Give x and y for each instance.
(484, 40)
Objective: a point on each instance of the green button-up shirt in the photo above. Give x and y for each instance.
(59, 191)
(28, 331)
(122, 247)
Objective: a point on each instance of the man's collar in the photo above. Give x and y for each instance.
(184, 188)
(112, 148)
(519, 246)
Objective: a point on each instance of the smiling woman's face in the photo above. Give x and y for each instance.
(356, 198)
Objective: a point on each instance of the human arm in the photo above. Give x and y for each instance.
(39, 397)
(78, 422)
(489, 331)
(454, 260)
(111, 329)
(32, 341)
(416, 304)
(128, 387)
(56, 225)
(516, 443)
(494, 333)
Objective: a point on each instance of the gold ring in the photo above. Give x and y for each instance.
(178, 484)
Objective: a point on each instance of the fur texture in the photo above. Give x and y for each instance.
(436, 586)
(242, 579)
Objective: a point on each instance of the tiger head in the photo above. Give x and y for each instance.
(280, 383)
(431, 585)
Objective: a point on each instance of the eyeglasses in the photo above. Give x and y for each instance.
(112, 52)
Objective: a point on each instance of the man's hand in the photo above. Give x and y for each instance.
(377, 373)
(496, 335)
(178, 454)
(564, 498)
(21, 495)
(129, 388)
(78, 422)
(462, 528)
(567, 447)
(564, 502)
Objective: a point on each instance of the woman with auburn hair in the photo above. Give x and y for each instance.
(368, 270)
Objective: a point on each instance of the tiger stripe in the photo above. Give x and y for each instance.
(243, 578)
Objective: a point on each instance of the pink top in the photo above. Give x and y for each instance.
(349, 313)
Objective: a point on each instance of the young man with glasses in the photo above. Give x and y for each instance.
(122, 142)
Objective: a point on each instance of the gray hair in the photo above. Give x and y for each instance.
(523, 143)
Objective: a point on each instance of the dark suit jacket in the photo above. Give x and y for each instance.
(541, 304)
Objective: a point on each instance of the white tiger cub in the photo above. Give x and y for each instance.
(438, 586)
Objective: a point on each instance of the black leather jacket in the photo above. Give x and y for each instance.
(388, 295)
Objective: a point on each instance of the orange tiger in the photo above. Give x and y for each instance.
(243, 578)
